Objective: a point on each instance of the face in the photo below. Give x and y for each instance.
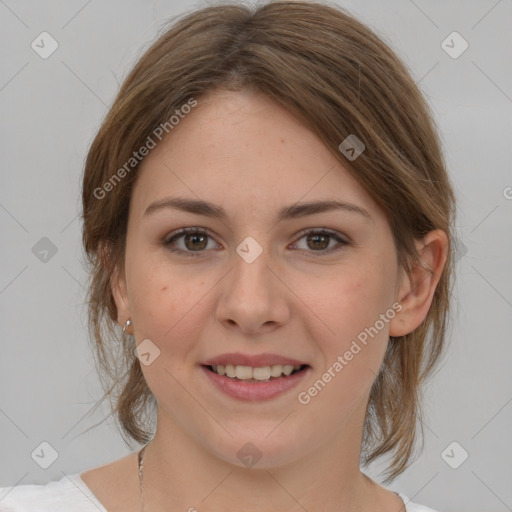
(266, 283)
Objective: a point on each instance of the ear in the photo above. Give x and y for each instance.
(416, 290)
(120, 294)
(117, 284)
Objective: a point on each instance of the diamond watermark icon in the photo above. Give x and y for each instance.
(45, 455)
(147, 352)
(454, 455)
(352, 147)
(44, 45)
(44, 250)
(249, 455)
(454, 45)
(249, 249)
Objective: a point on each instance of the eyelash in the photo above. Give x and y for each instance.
(194, 231)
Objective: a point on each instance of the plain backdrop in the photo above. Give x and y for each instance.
(51, 108)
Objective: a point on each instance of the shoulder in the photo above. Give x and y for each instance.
(55, 496)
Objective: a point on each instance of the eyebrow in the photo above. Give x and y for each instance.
(293, 211)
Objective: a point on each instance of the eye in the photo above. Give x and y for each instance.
(320, 240)
(195, 240)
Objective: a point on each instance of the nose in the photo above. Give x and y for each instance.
(253, 298)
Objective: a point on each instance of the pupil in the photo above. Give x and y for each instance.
(195, 237)
(315, 239)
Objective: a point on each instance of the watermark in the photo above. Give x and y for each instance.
(351, 147)
(137, 156)
(454, 455)
(304, 397)
(454, 45)
(249, 249)
(249, 455)
(44, 249)
(146, 351)
(44, 454)
(44, 45)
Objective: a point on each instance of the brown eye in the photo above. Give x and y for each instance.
(319, 242)
(196, 241)
(188, 241)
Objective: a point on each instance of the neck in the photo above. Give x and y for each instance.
(179, 474)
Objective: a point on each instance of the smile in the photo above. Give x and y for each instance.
(261, 373)
(255, 383)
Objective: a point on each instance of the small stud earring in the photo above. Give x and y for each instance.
(126, 325)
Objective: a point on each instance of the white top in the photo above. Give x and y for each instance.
(71, 494)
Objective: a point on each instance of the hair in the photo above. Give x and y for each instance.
(338, 78)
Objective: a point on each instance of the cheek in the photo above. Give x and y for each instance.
(354, 300)
(354, 309)
(168, 302)
(352, 348)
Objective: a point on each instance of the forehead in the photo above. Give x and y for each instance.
(245, 149)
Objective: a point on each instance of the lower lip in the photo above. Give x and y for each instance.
(255, 391)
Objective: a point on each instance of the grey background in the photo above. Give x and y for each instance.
(51, 109)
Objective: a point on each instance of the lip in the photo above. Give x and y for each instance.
(255, 361)
(252, 391)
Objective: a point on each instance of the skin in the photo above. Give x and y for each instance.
(247, 154)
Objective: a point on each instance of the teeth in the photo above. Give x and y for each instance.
(260, 373)
(276, 370)
(243, 372)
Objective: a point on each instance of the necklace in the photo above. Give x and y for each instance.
(141, 467)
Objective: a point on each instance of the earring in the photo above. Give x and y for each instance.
(126, 325)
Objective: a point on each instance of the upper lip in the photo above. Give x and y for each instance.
(255, 361)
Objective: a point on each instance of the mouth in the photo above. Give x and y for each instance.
(254, 378)
(256, 374)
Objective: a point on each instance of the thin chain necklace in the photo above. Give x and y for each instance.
(141, 468)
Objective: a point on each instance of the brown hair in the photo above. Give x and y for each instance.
(339, 78)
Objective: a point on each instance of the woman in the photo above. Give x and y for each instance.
(269, 221)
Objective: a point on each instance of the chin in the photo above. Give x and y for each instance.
(262, 450)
